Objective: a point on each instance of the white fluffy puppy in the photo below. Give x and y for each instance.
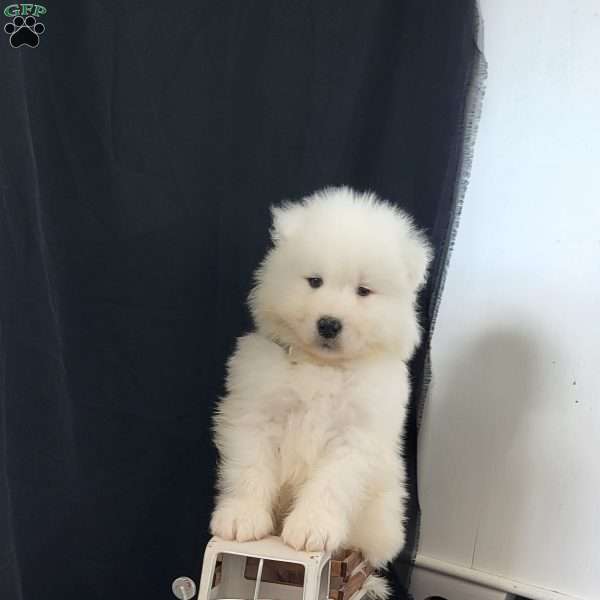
(309, 431)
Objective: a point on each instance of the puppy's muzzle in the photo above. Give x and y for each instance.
(329, 327)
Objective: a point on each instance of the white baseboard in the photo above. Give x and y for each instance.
(433, 577)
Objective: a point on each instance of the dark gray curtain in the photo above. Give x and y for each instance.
(141, 145)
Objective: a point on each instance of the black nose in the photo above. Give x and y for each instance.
(329, 327)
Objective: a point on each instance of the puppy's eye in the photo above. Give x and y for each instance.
(314, 282)
(361, 290)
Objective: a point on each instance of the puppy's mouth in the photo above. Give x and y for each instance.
(328, 345)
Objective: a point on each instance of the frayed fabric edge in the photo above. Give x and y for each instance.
(469, 129)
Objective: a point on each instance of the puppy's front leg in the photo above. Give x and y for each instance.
(321, 516)
(247, 489)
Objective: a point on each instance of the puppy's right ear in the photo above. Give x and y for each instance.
(287, 219)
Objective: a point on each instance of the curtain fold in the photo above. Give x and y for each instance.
(141, 145)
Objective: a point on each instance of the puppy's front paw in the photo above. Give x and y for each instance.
(313, 531)
(241, 520)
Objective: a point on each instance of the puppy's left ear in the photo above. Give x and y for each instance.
(287, 219)
(418, 255)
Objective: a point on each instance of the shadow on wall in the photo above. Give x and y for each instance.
(478, 437)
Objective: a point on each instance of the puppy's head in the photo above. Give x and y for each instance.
(341, 279)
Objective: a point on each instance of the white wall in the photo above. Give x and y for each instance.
(510, 442)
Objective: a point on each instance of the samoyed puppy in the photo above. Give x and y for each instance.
(309, 431)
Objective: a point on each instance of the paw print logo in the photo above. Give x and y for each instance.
(24, 31)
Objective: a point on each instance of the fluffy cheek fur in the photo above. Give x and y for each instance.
(285, 308)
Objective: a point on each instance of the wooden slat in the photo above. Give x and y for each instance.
(353, 584)
(336, 563)
(335, 583)
(343, 567)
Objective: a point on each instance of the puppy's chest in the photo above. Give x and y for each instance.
(308, 391)
(315, 408)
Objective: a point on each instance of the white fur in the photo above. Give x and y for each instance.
(377, 587)
(309, 435)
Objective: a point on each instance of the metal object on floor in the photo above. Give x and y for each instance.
(183, 588)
